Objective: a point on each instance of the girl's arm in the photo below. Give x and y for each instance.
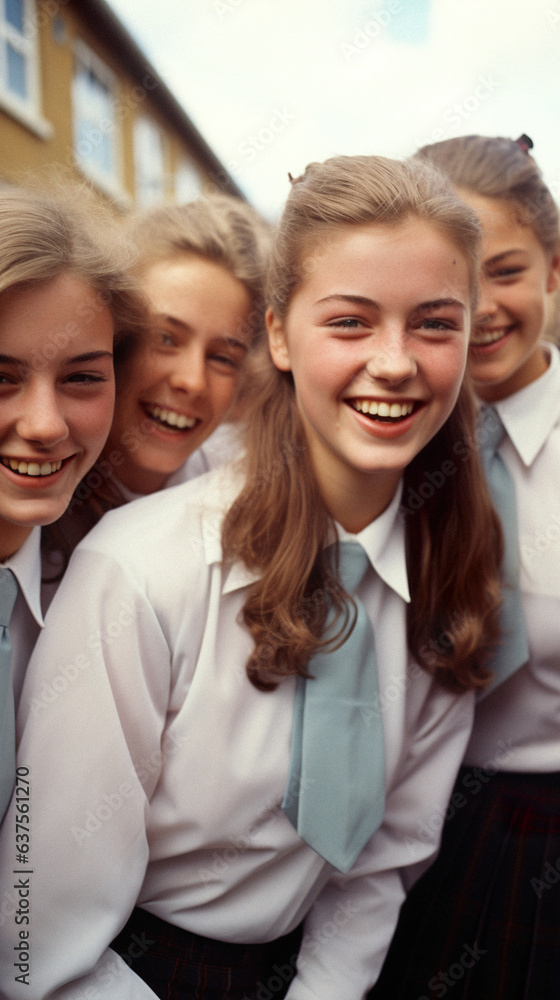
(80, 845)
(349, 928)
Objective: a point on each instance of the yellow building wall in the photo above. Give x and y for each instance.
(23, 153)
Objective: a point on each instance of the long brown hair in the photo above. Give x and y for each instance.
(279, 523)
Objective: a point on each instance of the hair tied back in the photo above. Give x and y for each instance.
(525, 143)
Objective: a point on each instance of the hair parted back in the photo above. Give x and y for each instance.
(221, 228)
(279, 523)
(358, 190)
(497, 167)
(44, 234)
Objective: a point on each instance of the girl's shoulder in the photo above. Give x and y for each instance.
(187, 517)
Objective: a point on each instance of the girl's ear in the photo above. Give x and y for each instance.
(277, 342)
(554, 273)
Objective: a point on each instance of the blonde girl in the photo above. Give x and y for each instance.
(485, 918)
(201, 266)
(206, 814)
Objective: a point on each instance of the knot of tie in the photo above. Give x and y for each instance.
(353, 564)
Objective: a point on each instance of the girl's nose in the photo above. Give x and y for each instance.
(391, 359)
(42, 420)
(189, 372)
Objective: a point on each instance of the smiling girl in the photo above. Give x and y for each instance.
(201, 266)
(494, 883)
(211, 807)
(66, 305)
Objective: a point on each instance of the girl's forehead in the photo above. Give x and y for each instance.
(500, 218)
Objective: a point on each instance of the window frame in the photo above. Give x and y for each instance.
(109, 182)
(142, 120)
(26, 110)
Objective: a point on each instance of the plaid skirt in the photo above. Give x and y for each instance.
(483, 923)
(179, 965)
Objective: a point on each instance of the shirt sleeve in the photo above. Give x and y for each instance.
(86, 689)
(348, 930)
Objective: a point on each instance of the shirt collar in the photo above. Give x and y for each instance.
(383, 540)
(540, 400)
(25, 564)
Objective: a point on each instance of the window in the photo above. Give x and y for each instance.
(149, 162)
(19, 64)
(188, 182)
(96, 137)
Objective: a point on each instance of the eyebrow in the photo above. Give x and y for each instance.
(79, 359)
(364, 301)
(439, 304)
(500, 256)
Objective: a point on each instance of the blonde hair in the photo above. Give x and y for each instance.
(279, 524)
(46, 234)
(220, 228)
(499, 168)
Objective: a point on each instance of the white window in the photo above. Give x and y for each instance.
(96, 134)
(19, 64)
(188, 182)
(149, 162)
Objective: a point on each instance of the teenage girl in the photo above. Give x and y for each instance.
(485, 919)
(66, 305)
(201, 266)
(175, 734)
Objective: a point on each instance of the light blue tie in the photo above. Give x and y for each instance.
(513, 650)
(336, 791)
(8, 592)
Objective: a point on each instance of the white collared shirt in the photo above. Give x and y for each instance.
(223, 445)
(517, 727)
(158, 769)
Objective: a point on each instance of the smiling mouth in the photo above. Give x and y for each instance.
(383, 411)
(170, 419)
(34, 469)
(484, 337)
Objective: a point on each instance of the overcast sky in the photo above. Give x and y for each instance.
(275, 84)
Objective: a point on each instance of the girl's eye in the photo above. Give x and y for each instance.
(436, 324)
(85, 378)
(506, 272)
(165, 339)
(346, 323)
(225, 361)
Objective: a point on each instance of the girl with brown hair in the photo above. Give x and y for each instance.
(68, 306)
(269, 680)
(485, 918)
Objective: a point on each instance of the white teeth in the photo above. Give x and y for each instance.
(171, 417)
(31, 468)
(394, 411)
(488, 338)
